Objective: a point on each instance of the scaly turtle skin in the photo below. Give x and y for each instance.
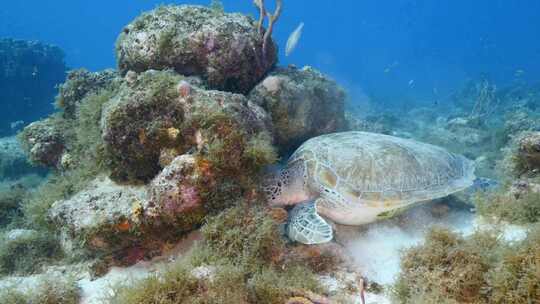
(357, 177)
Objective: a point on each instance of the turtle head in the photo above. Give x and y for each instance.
(286, 187)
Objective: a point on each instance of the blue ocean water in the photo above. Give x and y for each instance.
(400, 50)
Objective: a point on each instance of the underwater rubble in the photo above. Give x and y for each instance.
(169, 151)
(29, 73)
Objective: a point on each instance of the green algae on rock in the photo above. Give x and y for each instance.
(241, 259)
(480, 268)
(24, 251)
(44, 141)
(224, 48)
(161, 112)
(81, 83)
(51, 289)
(526, 160)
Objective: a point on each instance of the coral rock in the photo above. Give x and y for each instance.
(151, 119)
(173, 194)
(44, 141)
(98, 215)
(528, 154)
(225, 49)
(81, 83)
(135, 124)
(303, 103)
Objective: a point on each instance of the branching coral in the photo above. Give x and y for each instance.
(272, 19)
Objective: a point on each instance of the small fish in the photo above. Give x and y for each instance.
(411, 82)
(293, 39)
(519, 73)
(389, 68)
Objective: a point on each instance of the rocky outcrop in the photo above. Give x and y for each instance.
(81, 83)
(44, 141)
(174, 195)
(160, 115)
(527, 157)
(225, 49)
(105, 217)
(303, 103)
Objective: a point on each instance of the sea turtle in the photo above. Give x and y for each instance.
(354, 178)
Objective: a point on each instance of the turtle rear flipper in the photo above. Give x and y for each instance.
(306, 226)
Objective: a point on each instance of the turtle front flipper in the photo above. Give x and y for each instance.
(306, 226)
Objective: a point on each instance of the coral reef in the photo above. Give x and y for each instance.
(29, 72)
(303, 103)
(505, 205)
(139, 122)
(225, 49)
(74, 135)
